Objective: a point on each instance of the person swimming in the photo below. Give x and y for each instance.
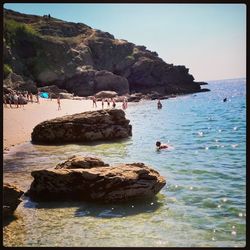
(159, 145)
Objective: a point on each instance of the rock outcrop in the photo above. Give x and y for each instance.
(53, 90)
(107, 124)
(84, 61)
(11, 199)
(106, 94)
(98, 183)
(81, 162)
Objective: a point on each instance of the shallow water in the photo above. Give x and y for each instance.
(203, 203)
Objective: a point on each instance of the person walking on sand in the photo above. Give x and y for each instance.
(108, 102)
(94, 102)
(59, 103)
(102, 103)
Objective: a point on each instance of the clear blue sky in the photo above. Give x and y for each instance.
(209, 39)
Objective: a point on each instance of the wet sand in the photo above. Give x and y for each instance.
(18, 123)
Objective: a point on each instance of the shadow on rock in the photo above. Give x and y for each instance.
(8, 219)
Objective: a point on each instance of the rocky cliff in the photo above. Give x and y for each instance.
(48, 51)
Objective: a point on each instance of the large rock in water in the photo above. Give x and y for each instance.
(100, 183)
(105, 124)
(11, 195)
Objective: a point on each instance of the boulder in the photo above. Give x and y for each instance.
(11, 195)
(81, 162)
(66, 96)
(106, 94)
(105, 80)
(53, 90)
(107, 124)
(108, 184)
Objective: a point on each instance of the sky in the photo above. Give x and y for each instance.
(209, 39)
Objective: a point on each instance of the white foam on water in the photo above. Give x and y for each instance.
(200, 133)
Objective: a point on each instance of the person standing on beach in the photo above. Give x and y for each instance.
(113, 102)
(31, 97)
(59, 103)
(125, 103)
(37, 97)
(159, 105)
(5, 101)
(94, 102)
(9, 99)
(102, 103)
(108, 102)
(15, 98)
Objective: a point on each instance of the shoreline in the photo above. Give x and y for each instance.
(18, 123)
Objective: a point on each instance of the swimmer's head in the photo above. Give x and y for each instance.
(158, 143)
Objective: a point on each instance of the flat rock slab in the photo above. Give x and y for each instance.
(81, 162)
(100, 183)
(107, 124)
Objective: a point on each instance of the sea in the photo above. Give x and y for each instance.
(203, 203)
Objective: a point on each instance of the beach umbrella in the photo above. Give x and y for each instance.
(44, 95)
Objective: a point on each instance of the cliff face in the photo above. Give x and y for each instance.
(83, 60)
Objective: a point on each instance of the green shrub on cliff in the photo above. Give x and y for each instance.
(13, 30)
(6, 70)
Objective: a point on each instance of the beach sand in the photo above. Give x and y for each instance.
(18, 123)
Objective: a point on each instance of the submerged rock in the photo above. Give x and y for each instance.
(11, 195)
(103, 183)
(105, 124)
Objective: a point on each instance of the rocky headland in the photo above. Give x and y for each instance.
(39, 51)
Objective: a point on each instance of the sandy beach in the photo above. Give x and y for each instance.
(18, 123)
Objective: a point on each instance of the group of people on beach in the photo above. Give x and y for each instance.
(19, 98)
(109, 101)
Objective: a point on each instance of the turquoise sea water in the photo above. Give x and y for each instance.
(202, 205)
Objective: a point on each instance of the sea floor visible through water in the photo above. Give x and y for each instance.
(202, 205)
